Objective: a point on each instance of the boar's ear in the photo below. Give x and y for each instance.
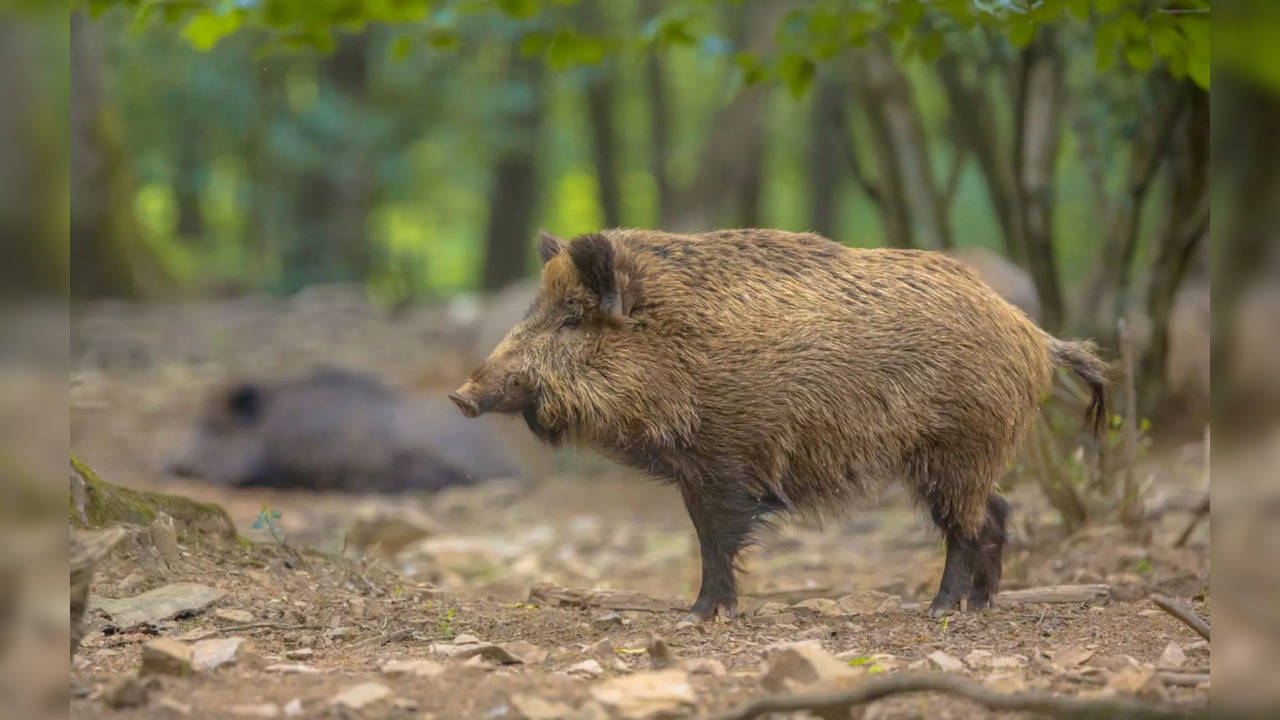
(244, 402)
(548, 246)
(604, 273)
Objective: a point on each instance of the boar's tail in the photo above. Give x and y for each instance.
(1083, 358)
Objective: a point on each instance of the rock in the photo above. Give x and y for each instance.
(240, 617)
(866, 602)
(786, 618)
(607, 621)
(654, 694)
(978, 658)
(210, 654)
(165, 656)
(526, 651)
(705, 666)
(532, 707)
(125, 692)
(1143, 683)
(362, 695)
(1006, 682)
(256, 710)
(771, 608)
(299, 653)
(485, 651)
(587, 668)
(162, 603)
(801, 665)
(173, 705)
(164, 536)
(1071, 657)
(660, 655)
(465, 639)
(417, 668)
(293, 708)
(816, 607)
(944, 662)
(1172, 657)
(291, 669)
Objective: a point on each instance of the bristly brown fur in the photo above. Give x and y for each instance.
(773, 370)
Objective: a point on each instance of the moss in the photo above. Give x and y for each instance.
(106, 503)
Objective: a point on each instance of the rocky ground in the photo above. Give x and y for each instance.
(560, 595)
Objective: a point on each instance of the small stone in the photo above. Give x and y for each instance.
(705, 666)
(816, 607)
(126, 692)
(526, 651)
(465, 639)
(945, 662)
(1006, 662)
(293, 708)
(173, 705)
(291, 669)
(532, 707)
(660, 693)
(165, 656)
(803, 664)
(1006, 682)
(602, 650)
(210, 654)
(771, 608)
(1072, 657)
(660, 655)
(608, 621)
(299, 653)
(255, 710)
(978, 658)
(786, 618)
(362, 695)
(164, 535)
(866, 602)
(234, 616)
(1172, 657)
(152, 606)
(486, 651)
(417, 668)
(587, 669)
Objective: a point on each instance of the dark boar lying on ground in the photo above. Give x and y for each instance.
(763, 371)
(335, 430)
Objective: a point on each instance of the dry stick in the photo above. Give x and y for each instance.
(265, 626)
(1183, 613)
(839, 704)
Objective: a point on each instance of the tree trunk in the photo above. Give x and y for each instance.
(104, 235)
(824, 168)
(188, 183)
(1040, 105)
(601, 81)
(1185, 230)
(912, 207)
(513, 196)
(659, 126)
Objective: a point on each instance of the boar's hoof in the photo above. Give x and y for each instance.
(943, 605)
(704, 610)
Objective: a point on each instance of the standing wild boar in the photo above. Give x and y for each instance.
(334, 430)
(764, 371)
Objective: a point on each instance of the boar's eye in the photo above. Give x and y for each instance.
(571, 322)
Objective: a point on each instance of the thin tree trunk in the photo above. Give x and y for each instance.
(913, 209)
(824, 167)
(1186, 228)
(104, 235)
(659, 128)
(1040, 105)
(513, 195)
(599, 99)
(188, 185)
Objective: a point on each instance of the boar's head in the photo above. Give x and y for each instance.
(585, 364)
(226, 446)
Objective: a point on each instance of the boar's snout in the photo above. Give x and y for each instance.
(465, 399)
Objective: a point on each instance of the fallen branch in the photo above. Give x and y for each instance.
(839, 704)
(1200, 513)
(264, 626)
(1183, 613)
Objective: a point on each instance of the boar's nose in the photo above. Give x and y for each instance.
(465, 402)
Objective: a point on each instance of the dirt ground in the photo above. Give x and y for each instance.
(538, 565)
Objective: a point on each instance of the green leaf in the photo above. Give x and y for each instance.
(443, 38)
(522, 9)
(206, 29)
(1138, 55)
(401, 47)
(931, 47)
(1106, 7)
(1021, 32)
(797, 72)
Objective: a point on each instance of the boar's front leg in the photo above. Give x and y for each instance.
(723, 518)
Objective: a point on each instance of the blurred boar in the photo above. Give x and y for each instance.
(763, 371)
(334, 430)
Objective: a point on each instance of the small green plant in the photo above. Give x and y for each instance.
(446, 622)
(1144, 566)
(946, 623)
(268, 520)
(873, 667)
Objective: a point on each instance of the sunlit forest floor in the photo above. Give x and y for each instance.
(537, 565)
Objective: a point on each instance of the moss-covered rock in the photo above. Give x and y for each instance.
(96, 503)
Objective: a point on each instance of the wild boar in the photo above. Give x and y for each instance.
(334, 430)
(763, 372)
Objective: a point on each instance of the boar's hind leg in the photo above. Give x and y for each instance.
(723, 517)
(963, 543)
(987, 560)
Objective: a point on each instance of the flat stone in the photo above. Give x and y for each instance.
(771, 608)
(816, 607)
(234, 616)
(526, 651)
(607, 621)
(165, 656)
(802, 664)
(652, 694)
(867, 602)
(417, 668)
(532, 707)
(945, 662)
(362, 695)
(293, 708)
(487, 651)
(705, 666)
(1172, 657)
(152, 606)
(291, 669)
(299, 653)
(125, 692)
(465, 639)
(210, 654)
(587, 668)
(255, 710)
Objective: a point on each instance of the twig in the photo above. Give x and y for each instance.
(1183, 613)
(839, 704)
(266, 626)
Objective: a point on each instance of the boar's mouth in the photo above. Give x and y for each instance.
(549, 435)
